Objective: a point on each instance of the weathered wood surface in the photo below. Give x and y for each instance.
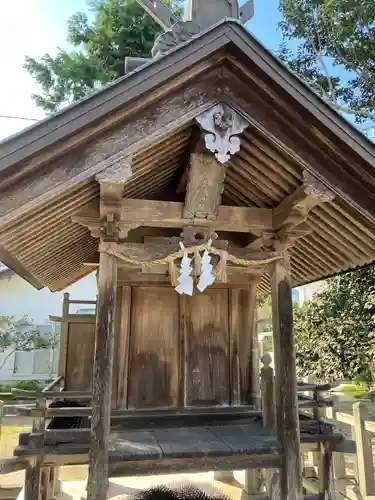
(238, 278)
(204, 187)
(80, 355)
(287, 421)
(206, 344)
(33, 474)
(171, 214)
(243, 369)
(122, 347)
(227, 423)
(102, 379)
(364, 451)
(154, 349)
(160, 332)
(63, 337)
(168, 442)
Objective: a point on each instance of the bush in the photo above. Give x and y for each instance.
(29, 385)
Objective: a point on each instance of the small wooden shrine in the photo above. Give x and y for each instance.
(204, 179)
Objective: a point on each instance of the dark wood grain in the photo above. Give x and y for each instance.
(121, 373)
(287, 421)
(154, 348)
(247, 439)
(102, 379)
(242, 311)
(207, 349)
(190, 442)
(80, 356)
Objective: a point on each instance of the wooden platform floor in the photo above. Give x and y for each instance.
(180, 445)
(224, 446)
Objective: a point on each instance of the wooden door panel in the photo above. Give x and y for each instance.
(80, 356)
(243, 351)
(206, 339)
(154, 348)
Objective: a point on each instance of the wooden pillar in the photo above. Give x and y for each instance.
(286, 382)
(33, 473)
(102, 379)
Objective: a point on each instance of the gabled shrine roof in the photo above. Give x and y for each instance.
(47, 171)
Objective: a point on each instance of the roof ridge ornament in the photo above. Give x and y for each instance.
(198, 16)
(179, 33)
(222, 124)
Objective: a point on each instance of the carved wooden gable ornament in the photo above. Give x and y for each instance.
(222, 125)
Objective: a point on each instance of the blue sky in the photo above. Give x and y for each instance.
(36, 27)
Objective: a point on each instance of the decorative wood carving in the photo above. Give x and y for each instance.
(290, 216)
(195, 235)
(179, 33)
(204, 188)
(110, 228)
(222, 125)
(313, 187)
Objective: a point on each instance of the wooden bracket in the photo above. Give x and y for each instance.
(295, 208)
(289, 218)
(112, 181)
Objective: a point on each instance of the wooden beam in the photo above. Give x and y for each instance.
(143, 252)
(151, 213)
(204, 187)
(137, 278)
(102, 379)
(286, 382)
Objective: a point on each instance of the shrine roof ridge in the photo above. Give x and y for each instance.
(74, 117)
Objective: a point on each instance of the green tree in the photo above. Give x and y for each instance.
(19, 335)
(116, 29)
(335, 330)
(331, 45)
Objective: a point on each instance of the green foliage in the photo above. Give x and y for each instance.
(29, 385)
(335, 330)
(331, 33)
(358, 391)
(118, 28)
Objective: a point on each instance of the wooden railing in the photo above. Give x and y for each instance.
(49, 475)
(317, 477)
(362, 430)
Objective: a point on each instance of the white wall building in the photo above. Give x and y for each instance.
(306, 292)
(17, 299)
